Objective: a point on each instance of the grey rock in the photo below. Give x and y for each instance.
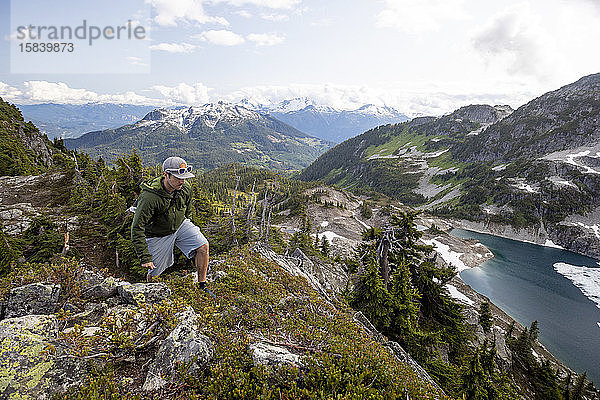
(324, 278)
(90, 316)
(219, 275)
(139, 293)
(104, 289)
(267, 354)
(90, 279)
(183, 345)
(28, 373)
(35, 298)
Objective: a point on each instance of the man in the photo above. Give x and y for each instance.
(161, 221)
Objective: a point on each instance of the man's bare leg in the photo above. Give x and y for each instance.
(201, 260)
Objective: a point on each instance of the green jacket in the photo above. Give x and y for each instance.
(155, 215)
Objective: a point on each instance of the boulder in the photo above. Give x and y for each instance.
(102, 290)
(140, 293)
(89, 279)
(267, 354)
(324, 278)
(26, 371)
(36, 298)
(183, 345)
(91, 315)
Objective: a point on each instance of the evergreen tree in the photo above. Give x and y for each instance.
(371, 296)
(579, 389)
(325, 246)
(485, 316)
(473, 381)
(365, 210)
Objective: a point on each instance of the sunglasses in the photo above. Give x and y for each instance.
(179, 170)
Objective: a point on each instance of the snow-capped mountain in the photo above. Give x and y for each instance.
(209, 114)
(210, 135)
(330, 123)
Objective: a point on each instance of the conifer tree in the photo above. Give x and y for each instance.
(325, 246)
(485, 316)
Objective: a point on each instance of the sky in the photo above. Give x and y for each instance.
(422, 57)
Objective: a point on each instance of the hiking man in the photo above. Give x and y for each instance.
(161, 221)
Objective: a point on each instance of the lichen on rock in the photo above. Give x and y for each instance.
(184, 344)
(35, 298)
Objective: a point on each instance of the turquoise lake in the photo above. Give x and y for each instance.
(522, 281)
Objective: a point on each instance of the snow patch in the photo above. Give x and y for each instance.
(500, 167)
(324, 224)
(330, 236)
(454, 293)
(569, 158)
(436, 154)
(377, 156)
(593, 228)
(521, 184)
(360, 222)
(550, 243)
(557, 180)
(451, 257)
(585, 278)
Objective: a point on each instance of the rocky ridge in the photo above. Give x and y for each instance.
(208, 136)
(95, 319)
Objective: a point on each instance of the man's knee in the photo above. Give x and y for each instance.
(202, 250)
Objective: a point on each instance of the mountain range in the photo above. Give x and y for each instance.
(207, 136)
(329, 123)
(73, 120)
(534, 170)
(304, 114)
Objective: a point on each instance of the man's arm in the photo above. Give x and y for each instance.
(143, 215)
(189, 202)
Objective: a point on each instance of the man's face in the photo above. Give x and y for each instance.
(172, 182)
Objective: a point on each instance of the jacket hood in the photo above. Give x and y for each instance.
(154, 185)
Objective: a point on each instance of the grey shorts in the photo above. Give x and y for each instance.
(187, 238)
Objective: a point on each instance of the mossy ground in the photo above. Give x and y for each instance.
(256, 301)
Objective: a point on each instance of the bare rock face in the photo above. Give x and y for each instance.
(183, 345)
(26, 372)
(267, 354)
(323, 278)
(36, 298)
(139, 293)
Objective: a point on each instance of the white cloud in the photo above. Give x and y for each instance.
(275, 17)
(8, 92)
(174, 47)
(514, 39)
(184, 93)
(417, 16)
(244, 13)
(58, 92)
(137, 61)
(276, 4)
(171, 12)
(221, 37)
(129, 98)
(404, 97)
(265, 39)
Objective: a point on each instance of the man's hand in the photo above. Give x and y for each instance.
(149, 265)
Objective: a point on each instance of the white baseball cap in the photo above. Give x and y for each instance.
(177, 167)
